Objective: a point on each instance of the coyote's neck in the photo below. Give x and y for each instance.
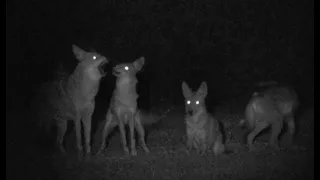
(125, 91)
(82, 87)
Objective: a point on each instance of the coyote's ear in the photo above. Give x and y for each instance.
(186, 90)
(138, 64)
(203, 89)
(78, 52)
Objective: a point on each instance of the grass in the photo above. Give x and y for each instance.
(167, 159)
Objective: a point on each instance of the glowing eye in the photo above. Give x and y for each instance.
(197, 102)
(126, 68)
(188, 102)
(94, 57)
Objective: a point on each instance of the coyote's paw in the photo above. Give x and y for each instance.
(61, 148)
(187, 151)
(146, 149)
(201, 152)
(126, 150)
(251, 148)
(80, 156)
(275, 147)
(134, 152)
(99, 153)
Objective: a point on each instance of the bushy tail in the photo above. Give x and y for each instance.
(148, 118)
(42, 108)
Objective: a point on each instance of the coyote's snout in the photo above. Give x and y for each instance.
(271, 108)
(123, 106)
(202, 129)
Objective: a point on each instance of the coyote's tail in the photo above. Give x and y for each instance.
(151, 117)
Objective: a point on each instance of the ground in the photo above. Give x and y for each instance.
(167, 158)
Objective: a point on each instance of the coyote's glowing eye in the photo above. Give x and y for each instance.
(94, 57)
(188, 102)
(126, 68)
(197, 102)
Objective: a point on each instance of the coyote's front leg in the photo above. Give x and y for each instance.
(123, 136)
(203, 147)
(62, 129)
(77, 123)
(189, 143)
(86, 121)
(132, 138)
(111, 122)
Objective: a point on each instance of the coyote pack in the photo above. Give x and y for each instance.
(202, 129)
(271, 107)
(123, 106)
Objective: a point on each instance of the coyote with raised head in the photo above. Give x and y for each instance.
(202, 129)
(72, 97)
(123, 106)
(271, 107)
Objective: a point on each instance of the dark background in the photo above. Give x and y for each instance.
(230, 44)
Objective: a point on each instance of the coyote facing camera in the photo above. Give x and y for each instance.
(272, 107)
(202, 129)
(72, 97)
(123, 106)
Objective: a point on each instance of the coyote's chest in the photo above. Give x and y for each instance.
(197, 126)
(125, 92)
(124, 102)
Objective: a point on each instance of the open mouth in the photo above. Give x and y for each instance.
(101, 67)
(116, 71)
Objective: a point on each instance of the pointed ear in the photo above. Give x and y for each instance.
(186, 91)
(78, 52)
(203, 89)
(138, 64)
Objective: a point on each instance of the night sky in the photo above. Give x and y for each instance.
(230, 44)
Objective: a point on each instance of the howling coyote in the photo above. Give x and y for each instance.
(72, 97)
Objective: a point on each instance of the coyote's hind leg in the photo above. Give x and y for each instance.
(62, 126)
(141, 133)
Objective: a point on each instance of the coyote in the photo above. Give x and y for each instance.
(271, 107)
(72, 97)
(123, 106)
(202, 129)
